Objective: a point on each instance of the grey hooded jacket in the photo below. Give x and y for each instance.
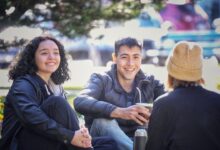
(103, 94)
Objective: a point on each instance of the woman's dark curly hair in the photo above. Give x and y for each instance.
(25, 62)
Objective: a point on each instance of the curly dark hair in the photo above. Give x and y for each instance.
(25, 62)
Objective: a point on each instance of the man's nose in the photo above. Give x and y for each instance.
(130, 61)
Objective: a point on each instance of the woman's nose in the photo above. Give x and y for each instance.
(51, 55)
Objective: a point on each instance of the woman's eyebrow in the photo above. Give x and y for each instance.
(45, 49)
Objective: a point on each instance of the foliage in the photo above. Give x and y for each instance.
(218, 84)
(1, 108)
(70, 17)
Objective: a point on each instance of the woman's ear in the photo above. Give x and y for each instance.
(113, 57)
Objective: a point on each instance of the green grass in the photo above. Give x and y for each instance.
(70, 99)
(74, 88)
(218, 86)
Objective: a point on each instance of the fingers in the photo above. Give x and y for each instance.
(86, 143)
(142, 109)
(82, 138)
(84, 131)
(143, 119)
(139, 118)
(139, 114)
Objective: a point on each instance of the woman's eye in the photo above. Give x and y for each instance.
(56, 53)
(44, 53)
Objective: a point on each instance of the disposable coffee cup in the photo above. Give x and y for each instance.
(147, 105)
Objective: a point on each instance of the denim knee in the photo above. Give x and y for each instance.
(110, 127)
(102, 126)
(104, 123)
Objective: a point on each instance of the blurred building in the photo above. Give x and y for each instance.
(185, 17)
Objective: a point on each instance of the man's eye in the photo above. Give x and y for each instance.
(123, 57)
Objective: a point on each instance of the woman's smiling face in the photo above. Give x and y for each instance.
(47, 58)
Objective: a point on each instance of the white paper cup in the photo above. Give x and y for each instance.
(147, 105)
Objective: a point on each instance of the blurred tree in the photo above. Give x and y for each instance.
(70, 17)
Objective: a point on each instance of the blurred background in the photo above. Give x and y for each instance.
(88, 29)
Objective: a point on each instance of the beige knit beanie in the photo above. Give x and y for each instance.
(185, 61)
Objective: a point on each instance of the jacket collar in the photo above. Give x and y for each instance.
(140, 79)
(39, 82)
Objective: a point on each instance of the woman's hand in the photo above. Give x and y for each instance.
(82, 138)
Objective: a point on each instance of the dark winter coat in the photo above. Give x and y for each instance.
(22, 110)
(186, 119)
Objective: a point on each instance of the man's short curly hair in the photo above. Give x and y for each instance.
(25, 62)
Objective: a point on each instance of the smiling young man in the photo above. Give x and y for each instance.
(108, 101)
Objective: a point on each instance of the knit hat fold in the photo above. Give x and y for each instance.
(185, 61)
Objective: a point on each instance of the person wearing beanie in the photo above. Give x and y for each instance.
(188, 116)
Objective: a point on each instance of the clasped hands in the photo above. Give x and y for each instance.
(82, 138)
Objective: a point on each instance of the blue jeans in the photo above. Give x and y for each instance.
(110, 127)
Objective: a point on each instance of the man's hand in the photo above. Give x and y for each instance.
(82, 138)
(139, 114)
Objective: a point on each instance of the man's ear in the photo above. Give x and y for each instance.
(113, 57)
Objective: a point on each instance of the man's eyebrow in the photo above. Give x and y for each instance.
(137, 54)
(123, 54)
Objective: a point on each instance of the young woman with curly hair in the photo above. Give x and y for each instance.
(26, 63)
(37, 115)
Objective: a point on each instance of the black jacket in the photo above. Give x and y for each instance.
(103, 94)
(185, 119)
(22, 110)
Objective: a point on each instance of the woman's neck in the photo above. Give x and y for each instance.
(44, 77)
